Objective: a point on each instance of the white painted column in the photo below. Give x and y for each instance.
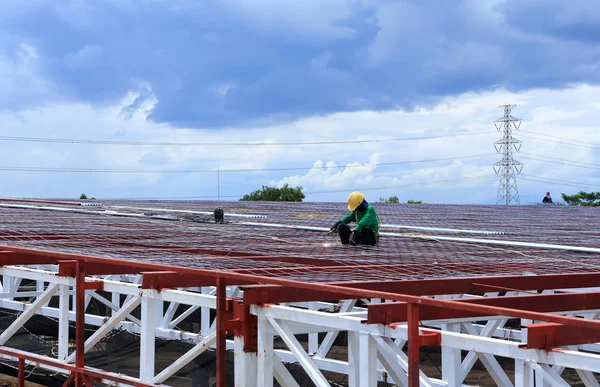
(362, 360)
(538, 377)
(379, 366)
(148, 334)
(8, 285)
(523, 371)
(264, 357)
(205, 315)
(368, 360)
(452, 360)
(63, 322)
(353, 359)
(245, 365)
(116, 297)
(160, 310)
(313, 338)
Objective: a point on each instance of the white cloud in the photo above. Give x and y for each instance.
(330, 176)
(21, 76)
(85, 57)
(571, 113)
(27, 53)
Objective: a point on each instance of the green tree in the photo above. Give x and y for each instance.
(273, 194)
(83, 197)
(582, 199)
(391, 200)
(411, 201)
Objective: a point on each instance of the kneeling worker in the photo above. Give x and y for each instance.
(366, 231)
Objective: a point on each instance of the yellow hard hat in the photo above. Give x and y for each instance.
(355, 199)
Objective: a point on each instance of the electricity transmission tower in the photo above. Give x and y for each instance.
(508, 167)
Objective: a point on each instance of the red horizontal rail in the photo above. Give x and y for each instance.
(429, 287)
(483, 284)
(87, 371)
(171, 279)
(386, 313)
(68, 268)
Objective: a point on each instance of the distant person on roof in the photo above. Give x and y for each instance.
(366, 231)
(547, 198)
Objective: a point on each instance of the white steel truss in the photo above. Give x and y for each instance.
(374, 352)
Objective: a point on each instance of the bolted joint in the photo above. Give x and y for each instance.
(67, 268)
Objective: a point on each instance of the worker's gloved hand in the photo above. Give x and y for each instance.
(353, 238)
(335, 226)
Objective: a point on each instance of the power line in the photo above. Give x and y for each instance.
(564, 162)
(563, 182)
(582, 145)
(558, 159)
(218, 171)
(481, 177)
(222, 144)
(561, 138)
(579, 186)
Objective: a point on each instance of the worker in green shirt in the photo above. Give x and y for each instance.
(366, 231)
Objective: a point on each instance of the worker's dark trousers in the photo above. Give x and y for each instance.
(365, 237)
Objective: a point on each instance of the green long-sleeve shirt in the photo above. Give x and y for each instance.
(363, 219)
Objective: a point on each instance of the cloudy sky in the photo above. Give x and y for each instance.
(423, 78)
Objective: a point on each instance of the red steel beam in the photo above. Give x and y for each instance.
(266, 294)
(80, 315)
(23, 258)
(431, 287)
(414, 345)
(21, 382)
(557, 335)
(68, 268)
(407, 267)
(244, 324)
(348, 291)
(221, 334)
(269, 294)
(386, 313)
(171, 279)
(70, 380)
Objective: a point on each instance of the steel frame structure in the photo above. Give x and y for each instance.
(559, 326)
(508, 167)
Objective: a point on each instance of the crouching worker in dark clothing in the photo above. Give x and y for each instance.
(366, 231)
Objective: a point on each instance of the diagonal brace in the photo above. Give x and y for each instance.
(305, 361)
(28, 313)
(108, 326)
(185, 359)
